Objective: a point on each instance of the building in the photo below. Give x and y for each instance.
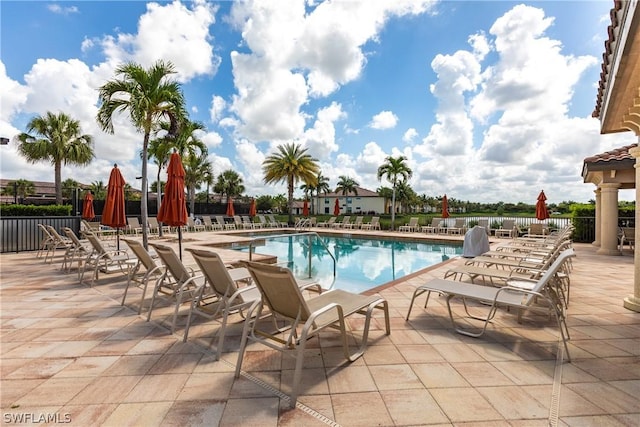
(618, 108)
(365, 202)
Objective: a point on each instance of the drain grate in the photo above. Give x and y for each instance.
(554, 407)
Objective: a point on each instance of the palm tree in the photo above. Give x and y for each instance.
(148, 95)
(56, 138)
(396, 171)
(195, 169)
(290, 165)
(322, 186)
(98, 189)
(347, 185)
(19, 187)
(229, 183)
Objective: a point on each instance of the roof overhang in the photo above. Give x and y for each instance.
(620, 110)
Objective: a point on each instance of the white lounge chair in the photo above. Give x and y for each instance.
(518, 294)
(412, 225)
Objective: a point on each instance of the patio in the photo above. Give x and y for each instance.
(73, 354)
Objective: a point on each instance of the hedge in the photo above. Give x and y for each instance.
(33, 210)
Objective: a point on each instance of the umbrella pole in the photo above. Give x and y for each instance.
(180, 241)
(118, 238)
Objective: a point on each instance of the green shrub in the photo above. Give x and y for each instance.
(33, 210)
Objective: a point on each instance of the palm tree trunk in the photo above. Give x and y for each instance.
(290, 201)
(144, 213)
(393, 208)
(58, 182)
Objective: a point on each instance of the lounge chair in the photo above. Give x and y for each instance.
(433, 228)
(264, 223)
(193, 226)
(208, 224)
(178, 283)
(517, 294)
(460, 227)
(356, 224)
(303, 319)
(276, 222)
(247, 223)
(412, 225)
(343, 224)
(106, 261)
(329, 223)
(507, 229)
(537, 229)
(628, 236)
(76, 251)
(133, 225)
(154, 226)
(219, 296)
(224, 225)
(52, 241)
(145, 270)
(374, 224)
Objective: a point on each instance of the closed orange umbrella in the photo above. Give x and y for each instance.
(173, 209)
(542, 212)
(87, 207)
(113, 214)
(230, 210)
(445, 207)
(336, 208)
(305, 208)
(252, 208)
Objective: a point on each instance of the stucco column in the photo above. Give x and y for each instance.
(609, 223)
(632, 302)
(598, 193)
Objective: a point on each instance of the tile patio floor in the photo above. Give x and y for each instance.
(73, 352)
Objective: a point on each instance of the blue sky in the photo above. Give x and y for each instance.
(488, 100)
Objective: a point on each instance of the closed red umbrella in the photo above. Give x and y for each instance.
(542, 212)
(87, 207)
(173, 209)
(305, 208)
(113, 214)
(230, 210)
(252, 208)
(336, 208)
(445, 207)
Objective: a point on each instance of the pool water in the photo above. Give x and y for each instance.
(361, 263)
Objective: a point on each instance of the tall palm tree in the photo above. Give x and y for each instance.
(347, 185)
(396, 170)
(322, 186)
(148, 95)
(196, 167)
(56, 138)
(291, 164)
(229, 183)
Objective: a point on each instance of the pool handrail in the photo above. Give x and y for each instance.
(310, 234)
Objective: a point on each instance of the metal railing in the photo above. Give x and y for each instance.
(310, 235)
(19, 234)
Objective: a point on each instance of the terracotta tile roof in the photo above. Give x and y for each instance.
(619, 154)
(606, 56)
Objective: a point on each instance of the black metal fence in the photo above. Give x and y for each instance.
(19, 234)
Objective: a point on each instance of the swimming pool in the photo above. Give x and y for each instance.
(361, 263)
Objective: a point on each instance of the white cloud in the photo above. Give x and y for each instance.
(57, 9)
(384, 120)
(218, 105)
(321, 138)
(410, 135)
